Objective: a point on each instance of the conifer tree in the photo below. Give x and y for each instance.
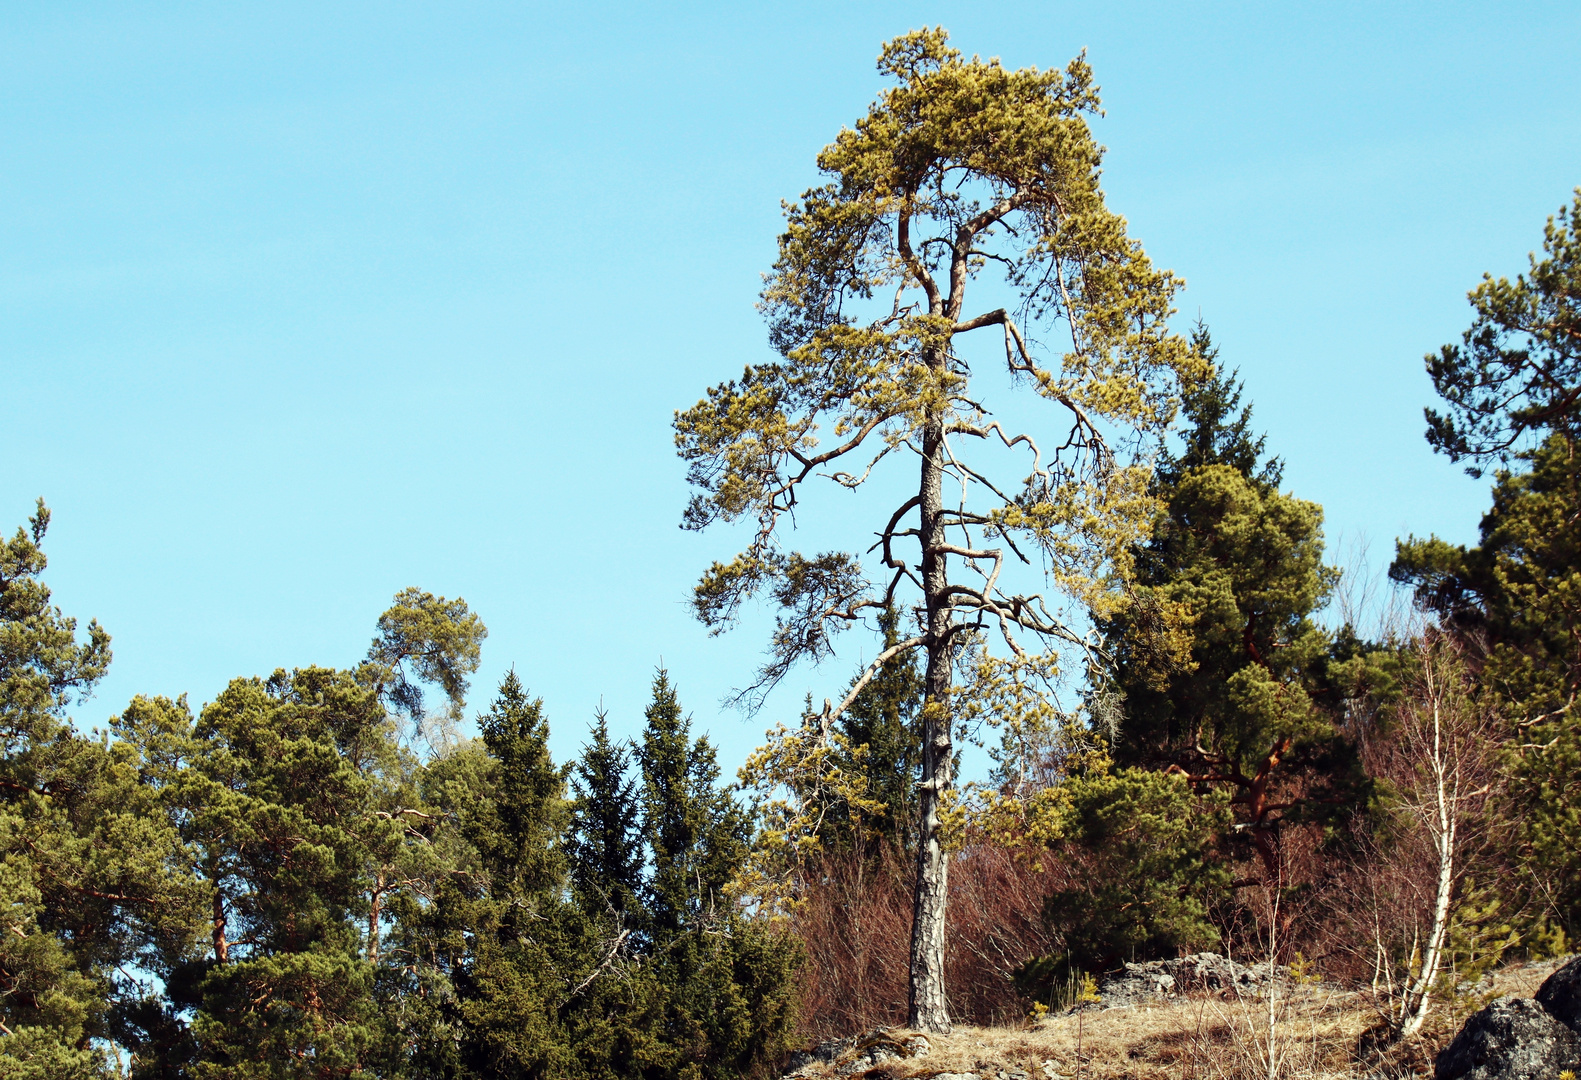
(277, 805)
(294, 797)
(726, 982)
(425, 638)
(1146, 843)
(1514, 598)
(90, 866)
(1242, 565)
(1511, 392)
(884, 717)
(605, 846)
(695, 834)
(527, 941)
(1514, 381)
(1216, 428)
(960, 171)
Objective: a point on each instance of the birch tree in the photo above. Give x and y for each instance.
(1445, 750)
(964, 180)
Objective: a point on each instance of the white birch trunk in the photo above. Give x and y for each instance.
(1442, 824)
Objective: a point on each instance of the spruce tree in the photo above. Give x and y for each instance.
(1216, 428)
(527, 941)
(695, 833)
(605, 846)
(884, 717)
(725, 981)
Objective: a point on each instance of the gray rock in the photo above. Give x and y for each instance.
(1155, 980)
(855, 1054)
(1511, 1039)
(1560, 994)
(824, 1052)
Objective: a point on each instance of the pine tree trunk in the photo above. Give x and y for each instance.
(222, 948)
(929, 1009)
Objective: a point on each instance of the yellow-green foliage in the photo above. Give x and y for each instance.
(961, 168)
(802, 776)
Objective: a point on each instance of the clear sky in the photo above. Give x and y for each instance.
(301, 304)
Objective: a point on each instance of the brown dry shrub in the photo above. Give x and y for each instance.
(855, 925)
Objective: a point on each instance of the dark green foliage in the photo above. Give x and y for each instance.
(1512, 394)
(1145, 844)
(695, 832)
(886, 719)
(90, 870)
(1518, 594)
(528, 973)
(520, 845)
(277, 802)
(42, 666)
(528, 942)
(280, 888)
(1515, 379)
(1217, 428)
(1241, 566)
(605, 841)
(725, 993)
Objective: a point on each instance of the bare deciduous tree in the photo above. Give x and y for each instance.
(1442, 762)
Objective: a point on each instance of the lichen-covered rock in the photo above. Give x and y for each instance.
(1511, 1039)
(1141, 984)
(1560, 994)
(855, 1054)
(801, 1061)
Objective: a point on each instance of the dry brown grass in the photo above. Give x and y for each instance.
(1318, 1033)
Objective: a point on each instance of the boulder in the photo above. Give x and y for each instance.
(1511, 1039)
(1560, 994)
(826, 1051)
(1141, 984)
(855, 1054)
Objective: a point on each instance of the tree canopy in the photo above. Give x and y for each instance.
(963, 177)
(1515, 377)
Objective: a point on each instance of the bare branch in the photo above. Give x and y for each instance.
(829, 714)
(608, 959)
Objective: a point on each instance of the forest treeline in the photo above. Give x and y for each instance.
(280, 885)
(315, 875)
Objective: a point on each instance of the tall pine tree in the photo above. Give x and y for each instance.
(91, 870)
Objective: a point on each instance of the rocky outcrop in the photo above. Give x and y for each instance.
(1155, 980)
(856, 1054)
(1560, 994)
(1521, 1038)
(1511, 1039)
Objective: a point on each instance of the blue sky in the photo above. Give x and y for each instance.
(303, 304)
